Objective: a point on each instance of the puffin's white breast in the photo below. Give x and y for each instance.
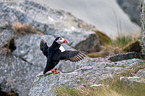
(61, 49)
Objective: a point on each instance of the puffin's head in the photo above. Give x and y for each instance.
(60, 40)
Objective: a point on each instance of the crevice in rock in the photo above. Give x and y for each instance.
(9, 47)
(125, 56)
(26, 61)
(11, 93)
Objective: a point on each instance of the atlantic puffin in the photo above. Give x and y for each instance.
(56, 52)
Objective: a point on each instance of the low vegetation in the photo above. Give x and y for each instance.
(116, 88)
(112, 87)
(24, 29)
(122, 44)
(19, 29)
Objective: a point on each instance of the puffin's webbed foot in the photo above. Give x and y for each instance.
(52, 71)
(55, 71)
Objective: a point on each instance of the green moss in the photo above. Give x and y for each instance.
(115, 88)
(127, 88)
(67, 91)
(103, 37)
(122, 40)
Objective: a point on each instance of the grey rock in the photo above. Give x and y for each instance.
(124, 56)
(105, 16)
(138, 77)
(16, 74)
(131, 7)
(142, 19)
(143, 43)
(91, 44)
(5, 36)
(89, 72)
(28, 48)
(50, 22)
(19, 69)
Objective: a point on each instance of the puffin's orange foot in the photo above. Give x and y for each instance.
(56, 71)
(52, 70)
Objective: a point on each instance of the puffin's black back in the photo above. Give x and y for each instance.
(54, 54)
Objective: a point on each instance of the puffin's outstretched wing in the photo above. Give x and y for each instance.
(73, 56)
(44, 47)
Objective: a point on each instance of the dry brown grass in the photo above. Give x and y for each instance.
(115, 87)
(120, 45)
(112, 87)
(132, 46)
(133, 70)
(18, 29)
(24, 29)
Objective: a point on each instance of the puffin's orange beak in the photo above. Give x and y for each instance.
(65, 41)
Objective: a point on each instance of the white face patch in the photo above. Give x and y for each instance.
(60, 40)
(61, 49)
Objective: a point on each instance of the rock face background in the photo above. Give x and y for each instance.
(131, 7)
(105, 16)
(18, 70)
(88, 72)
(142, 19)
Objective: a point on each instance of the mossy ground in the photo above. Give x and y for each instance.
(115, 88)
(118, 45)
(112, 87)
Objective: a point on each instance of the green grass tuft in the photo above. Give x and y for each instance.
(122, 40)
(116, 88)
(112, 87)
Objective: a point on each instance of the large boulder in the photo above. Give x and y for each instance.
(89, 72)
(142, 19)
(131, 7)
(51, 22)
(19, 69)
(143, 43)
(106, 16)
(16, 74)
(133, 46)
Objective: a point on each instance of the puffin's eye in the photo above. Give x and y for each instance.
(60, 38)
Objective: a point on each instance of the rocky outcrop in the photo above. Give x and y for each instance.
(138, 77)
(142, 19)
(131, 7)
(88, 72)
(19, 69)
(108, 17)
(49, 21)
(143, 43)
(21, 23)
(133, 46)
(124, 56)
